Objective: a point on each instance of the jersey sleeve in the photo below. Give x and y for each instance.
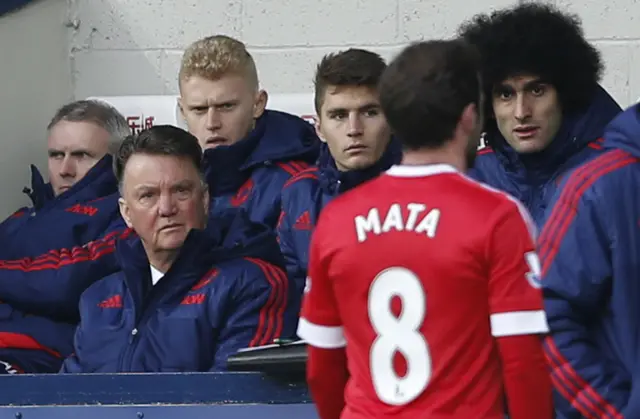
(320, 323)
(515, 296)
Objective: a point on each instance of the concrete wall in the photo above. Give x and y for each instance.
(35, 80)
(55, 50)
(126, 47)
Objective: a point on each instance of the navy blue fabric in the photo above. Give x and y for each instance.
(7, 6)
(589, 252)
(226, 290)
(38, 340)
(304, 196)
(77, 216)
(533, 178)
(33, 344)
(250, 174)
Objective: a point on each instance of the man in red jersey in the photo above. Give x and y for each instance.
(426, 281)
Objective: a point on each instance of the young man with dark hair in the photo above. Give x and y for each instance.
(423, 278)
(546, 110)
(191, 290)
(357, 146)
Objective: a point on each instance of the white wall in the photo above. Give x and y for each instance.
(133, 47)
(126, 47)
(34, 81)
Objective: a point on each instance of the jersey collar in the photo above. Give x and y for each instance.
(405, 170)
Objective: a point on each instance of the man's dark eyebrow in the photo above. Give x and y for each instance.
(501, 87)
(369, 106)
(534, 83)
(186, 183)
(365, 107)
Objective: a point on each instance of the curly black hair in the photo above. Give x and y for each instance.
(540, 40)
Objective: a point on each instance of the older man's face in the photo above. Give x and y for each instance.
(74, 148)
(163, 198)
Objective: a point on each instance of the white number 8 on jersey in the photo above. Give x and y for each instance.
(398, 334)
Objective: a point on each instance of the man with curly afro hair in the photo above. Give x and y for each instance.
(546, 109)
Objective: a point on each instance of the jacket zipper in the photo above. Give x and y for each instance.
(127, 353)
(140, 318)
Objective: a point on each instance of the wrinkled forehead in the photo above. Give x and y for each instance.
(76, 136)
(159, 171)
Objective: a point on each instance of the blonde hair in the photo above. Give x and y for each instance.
(216, 56)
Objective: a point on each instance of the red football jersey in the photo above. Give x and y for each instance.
(417, 272)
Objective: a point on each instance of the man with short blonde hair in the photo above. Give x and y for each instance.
(216, 56)
(249, 152)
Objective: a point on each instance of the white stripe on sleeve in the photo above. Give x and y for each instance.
(326, 337)
(519, 323)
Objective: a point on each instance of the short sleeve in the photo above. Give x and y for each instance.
(515, 296)
(320, 323)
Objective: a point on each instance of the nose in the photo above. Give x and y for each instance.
(213, 119)
(68, 167)
(355, 125)
(166, 205)
(523, 109)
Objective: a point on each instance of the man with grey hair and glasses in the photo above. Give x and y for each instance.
(78, 206)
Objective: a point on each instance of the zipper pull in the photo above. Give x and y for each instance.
(134, 332)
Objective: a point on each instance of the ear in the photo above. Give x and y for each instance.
(207, 200)
(469, 119)
(318, 127)
(260, 103)
(124, 211)
(181, 107)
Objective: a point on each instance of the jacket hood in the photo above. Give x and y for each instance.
(227, 236)
(97, 183)
(283, 137)
(277, 136)
(333, 181)
(624, 131)
(577, 130)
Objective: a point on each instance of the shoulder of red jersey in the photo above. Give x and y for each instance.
(497, 198)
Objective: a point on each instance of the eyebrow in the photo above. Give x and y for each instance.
(534, 83)
(182, 183)
(527, 85)
(365, 107)
(72, 152)
(206, 103)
